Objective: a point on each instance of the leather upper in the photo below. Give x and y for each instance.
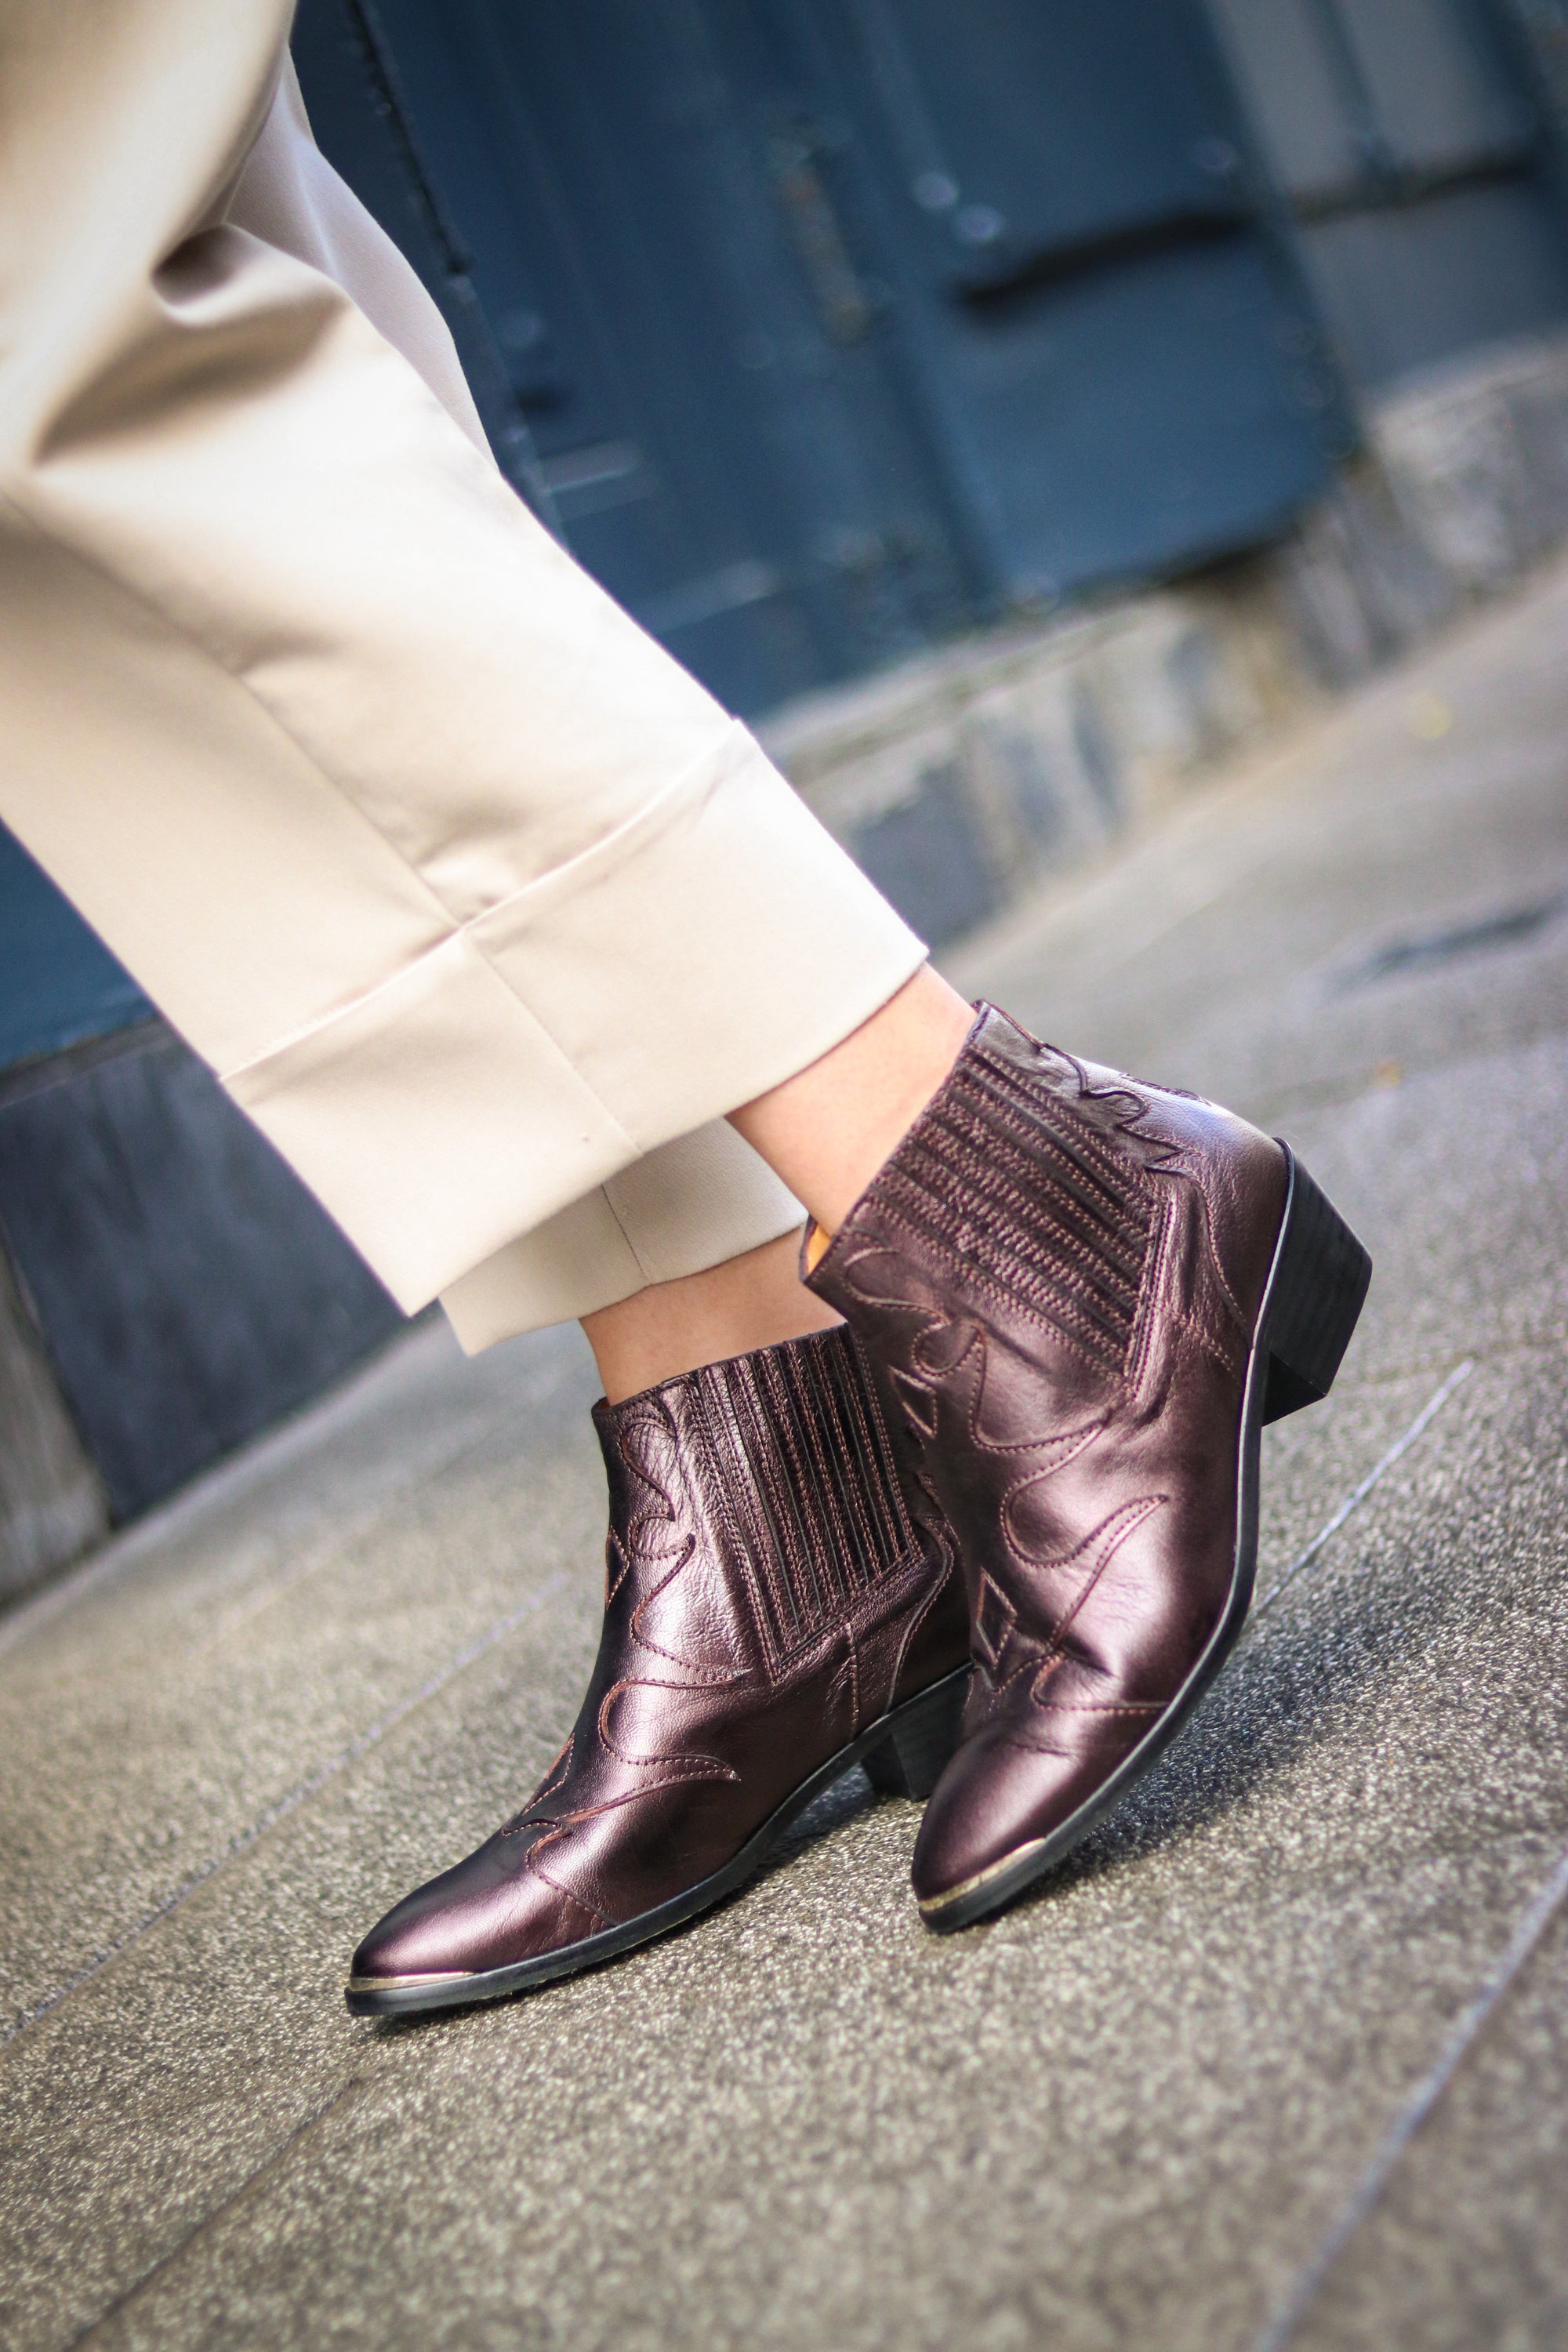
(776, 1581)
(1058, 1275)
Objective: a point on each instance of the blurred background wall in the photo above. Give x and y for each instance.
(1012, 406)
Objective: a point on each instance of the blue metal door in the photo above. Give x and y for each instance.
(685, 329)
(839, 322)
(1127, 375)
(1421, 168)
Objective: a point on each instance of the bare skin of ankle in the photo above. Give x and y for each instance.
(829, 1130)
(826, 1132)
(672, 1327)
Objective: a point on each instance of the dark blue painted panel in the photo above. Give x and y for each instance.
(655, 243)
(1133, 419)
(1133, 381)
(1409, 287)
(1025, 127)
(189, 1288)
(1409, 136)
(58, 984)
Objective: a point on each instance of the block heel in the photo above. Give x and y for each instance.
(1319, 1284)
(921, 1737)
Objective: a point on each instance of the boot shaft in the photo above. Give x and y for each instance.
(778, 1471)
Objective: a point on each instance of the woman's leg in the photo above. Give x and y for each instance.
(671, 1328)
(825, 1132)
(829, 1130)
(472, 898)
(480, 906)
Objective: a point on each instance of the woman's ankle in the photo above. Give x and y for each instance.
(752, 1301)
(829, 1130)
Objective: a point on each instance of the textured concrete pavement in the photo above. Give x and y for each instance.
(1280, 2059)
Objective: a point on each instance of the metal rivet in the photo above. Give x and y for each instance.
(934, 191)
(979, 225)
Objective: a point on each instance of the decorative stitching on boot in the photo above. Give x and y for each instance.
(994, 1618)
(600, 1919)
(650, 1538)
(1023, 1199)
(684, 1767)
(1102, 1706)
(529, 1816)
(1108, 1538)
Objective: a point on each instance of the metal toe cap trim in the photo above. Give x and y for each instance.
(394, 1984)
(931, 1905)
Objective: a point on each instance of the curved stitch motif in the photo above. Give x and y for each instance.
(1102, 1544)
(927, 1380)
(1070, 1324)
(1168, 1151)
(1107, 1539)
(688, 1768)
(650, 1540)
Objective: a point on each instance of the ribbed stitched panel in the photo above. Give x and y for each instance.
(807, 1478)
(1027, 1201)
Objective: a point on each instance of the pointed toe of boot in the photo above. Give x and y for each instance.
(452, 1937)
(408, 1942)
(988, 1830)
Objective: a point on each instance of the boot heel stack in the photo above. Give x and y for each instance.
(921, 1736)
(1315, 1298)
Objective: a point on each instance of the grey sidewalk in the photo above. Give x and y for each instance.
(1310, 1976)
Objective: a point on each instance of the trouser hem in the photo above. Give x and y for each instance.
(715, 945)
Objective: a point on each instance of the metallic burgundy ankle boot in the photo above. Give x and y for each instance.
(783, 1602)
(1088, 1296)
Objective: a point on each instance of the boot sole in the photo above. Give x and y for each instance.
(903, 1751)
(1312, 1301)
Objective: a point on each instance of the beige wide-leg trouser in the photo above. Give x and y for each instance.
(481, 908)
